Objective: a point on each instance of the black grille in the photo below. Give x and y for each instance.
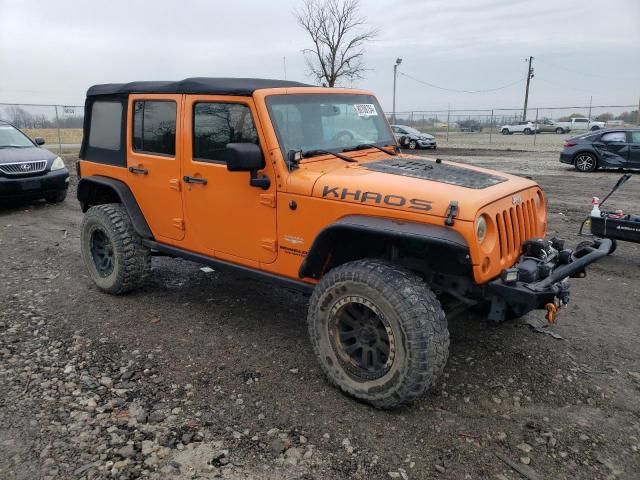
(438, 172)
(23, 168)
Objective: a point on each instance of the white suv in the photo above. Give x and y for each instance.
(526, 128)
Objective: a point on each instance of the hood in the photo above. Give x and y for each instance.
(418, 185)
(28, 154)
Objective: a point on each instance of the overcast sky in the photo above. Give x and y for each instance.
(52, 51)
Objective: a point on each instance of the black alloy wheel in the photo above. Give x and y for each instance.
(102, 252)
(361, 338)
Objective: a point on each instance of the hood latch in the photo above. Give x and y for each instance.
(452, 212)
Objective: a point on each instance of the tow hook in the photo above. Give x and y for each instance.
(552, 313)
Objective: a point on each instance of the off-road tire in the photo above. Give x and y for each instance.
(414, 317)
(585, 162)
(131, 260)
(57, 197)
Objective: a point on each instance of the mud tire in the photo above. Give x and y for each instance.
(130, 260)
(411, 313)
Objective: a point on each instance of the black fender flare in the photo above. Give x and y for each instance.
(89, 186)
(316, 259)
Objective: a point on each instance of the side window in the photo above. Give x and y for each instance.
(581, 120)
(106, 124)
(217, 124)
(635, 137)
(154, 127)
(614, 137)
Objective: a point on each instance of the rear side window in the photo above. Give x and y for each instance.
(106, 125)
(217, 124)
(154, 127)
(619, 137)
(635, 137)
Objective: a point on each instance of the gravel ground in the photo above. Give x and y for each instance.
(206, 375)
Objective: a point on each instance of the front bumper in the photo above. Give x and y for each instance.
(426, 143)
(35, 186)
(551, 285)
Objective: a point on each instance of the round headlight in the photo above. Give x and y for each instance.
(481, 228)
(57, 164)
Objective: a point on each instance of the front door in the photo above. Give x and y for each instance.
(153, 161)
(229, 217)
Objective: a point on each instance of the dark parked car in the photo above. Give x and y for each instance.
(470, 126)
(28, 171)
(612, 148)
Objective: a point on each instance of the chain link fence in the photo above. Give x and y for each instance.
(502, 127)
(59, 125)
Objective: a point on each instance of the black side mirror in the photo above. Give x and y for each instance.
(39, 141)
(247, 157)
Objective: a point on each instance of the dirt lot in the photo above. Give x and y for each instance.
(201, 375)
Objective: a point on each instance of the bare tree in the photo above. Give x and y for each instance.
(339, 34)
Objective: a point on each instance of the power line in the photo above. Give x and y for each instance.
(461, 91)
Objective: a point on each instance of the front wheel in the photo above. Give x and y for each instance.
(413, 145)
(378, 331)
(559, 130)
(112, 251)
(505, 131)
(527, 131)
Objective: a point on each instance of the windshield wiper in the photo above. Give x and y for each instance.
(315, 153)
(364, 146)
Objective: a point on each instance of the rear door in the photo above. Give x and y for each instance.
(634, 148)
(613, 148)
(153, 161)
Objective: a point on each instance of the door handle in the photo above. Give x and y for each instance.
(138, 170)
(188, 179)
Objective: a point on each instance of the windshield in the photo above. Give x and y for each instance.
(331, 122)
(12, 137)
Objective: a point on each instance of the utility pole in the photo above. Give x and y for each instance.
(395, 74)
(526, 93)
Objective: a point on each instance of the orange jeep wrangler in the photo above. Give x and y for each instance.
(306, 187)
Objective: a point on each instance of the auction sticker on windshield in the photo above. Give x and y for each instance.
(365, 109)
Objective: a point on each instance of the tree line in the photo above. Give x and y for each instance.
(22, 118)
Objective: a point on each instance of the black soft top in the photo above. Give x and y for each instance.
(202, 85)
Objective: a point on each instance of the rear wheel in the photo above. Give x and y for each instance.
(585, 162)
(527, 131)
(113, 252)
(378, 331)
